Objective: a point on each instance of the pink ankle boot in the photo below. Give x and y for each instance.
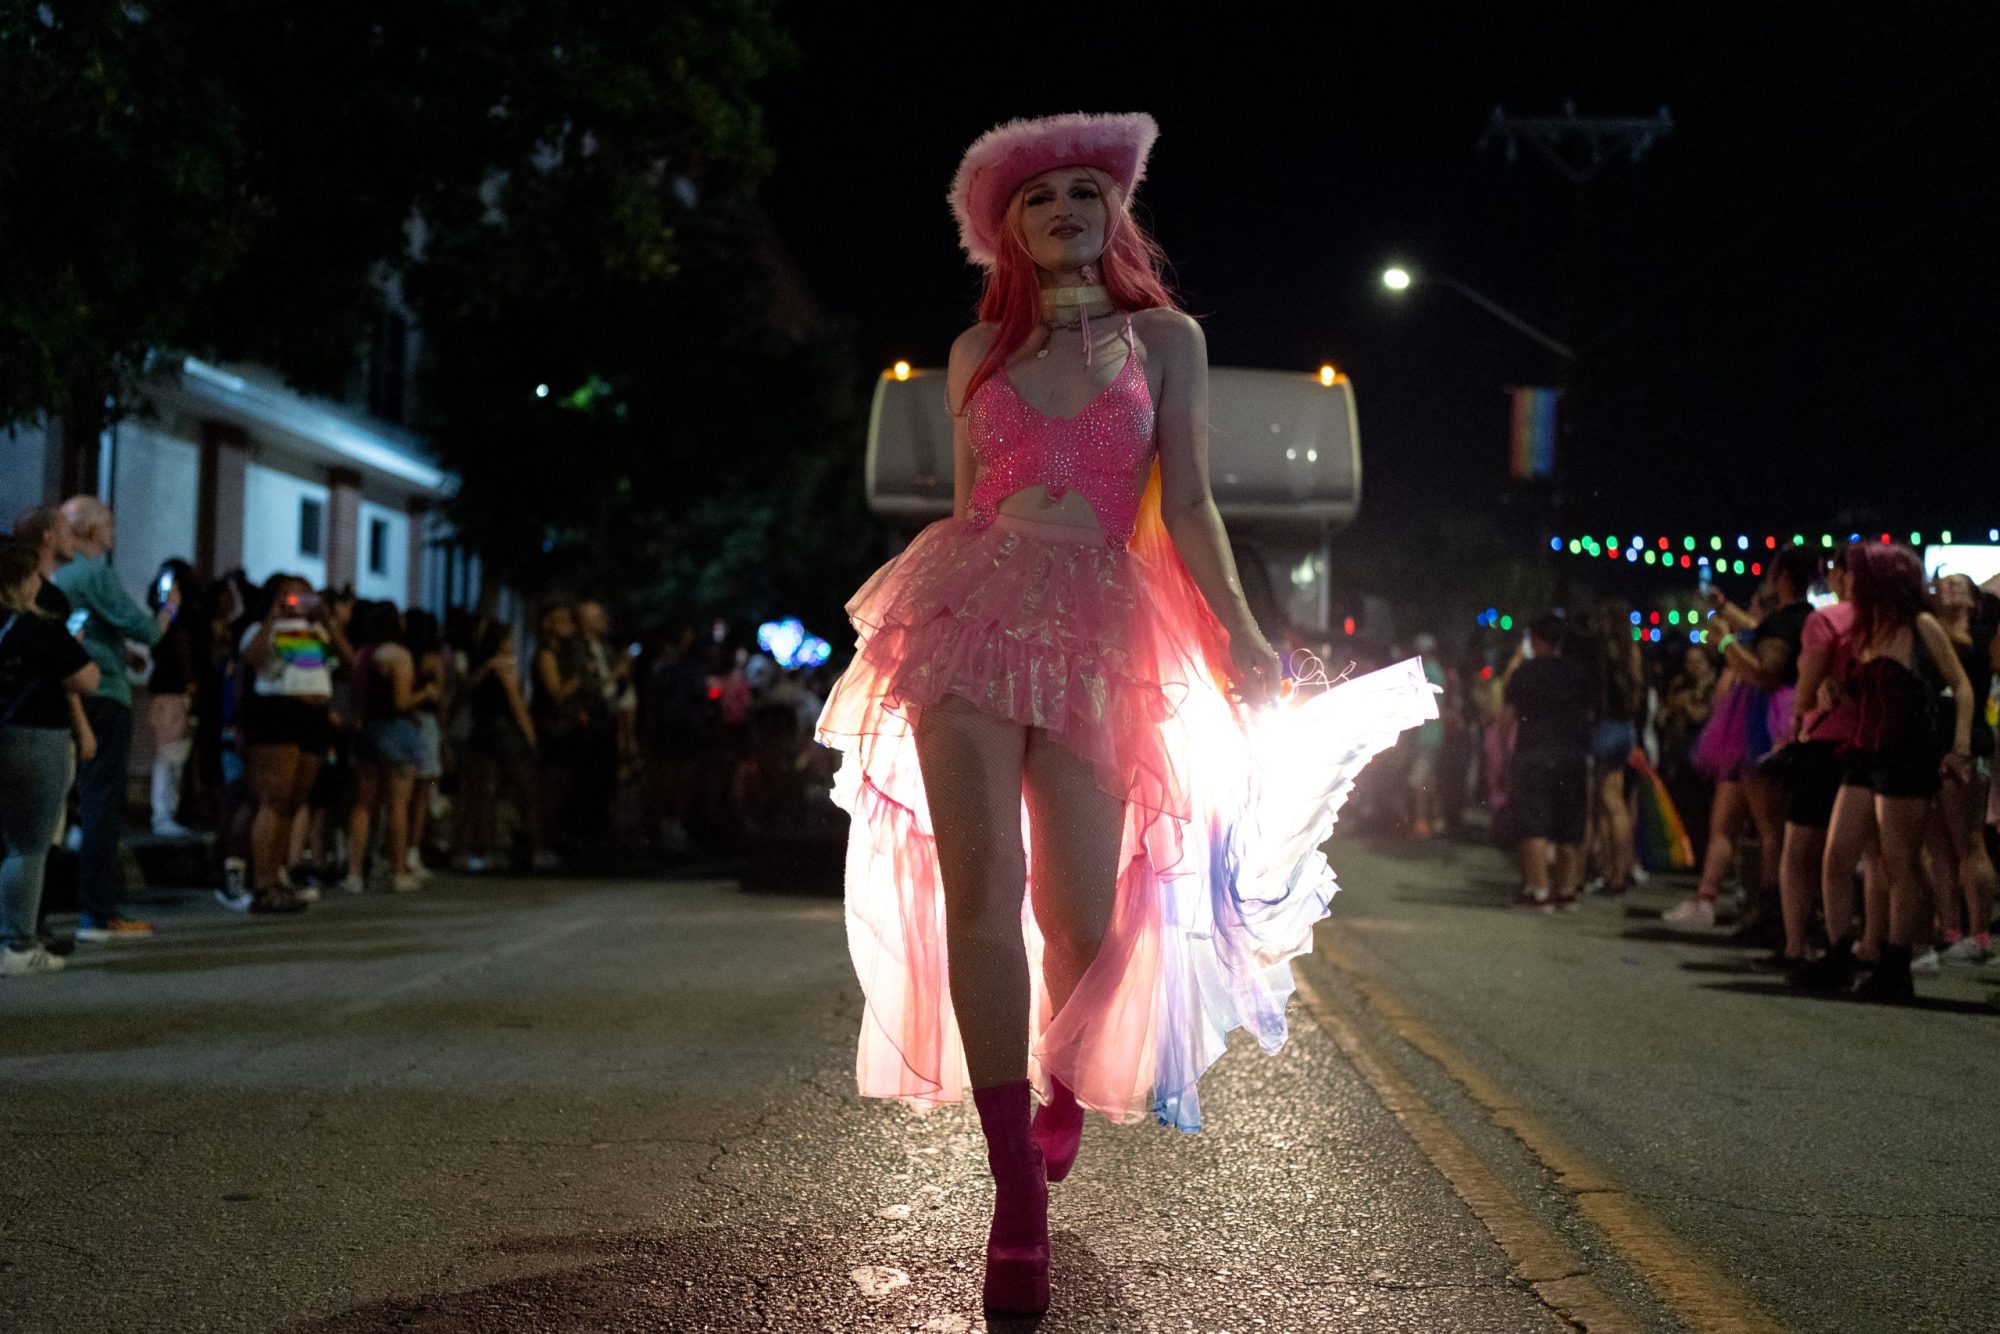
(1058, 1129)
(1017, 1247)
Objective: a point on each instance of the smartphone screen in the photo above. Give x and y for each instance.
(77, 620)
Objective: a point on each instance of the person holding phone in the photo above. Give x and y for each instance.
(170, 692)
(111, 618)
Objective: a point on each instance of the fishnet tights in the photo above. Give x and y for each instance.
(977, 771)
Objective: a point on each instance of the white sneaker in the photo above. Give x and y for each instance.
(1967, 949)
(547, 861)
(1927, 963)
(1691, 911)
(306, 893)
(1639, 876)
(414, 865)
(353, 884)
(20, 963)
(407, 883)
(172, 829)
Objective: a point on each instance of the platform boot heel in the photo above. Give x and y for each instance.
(1017, 1247)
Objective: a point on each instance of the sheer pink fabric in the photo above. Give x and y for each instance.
(1115, 651)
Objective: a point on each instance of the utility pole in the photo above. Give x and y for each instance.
(1577, 148)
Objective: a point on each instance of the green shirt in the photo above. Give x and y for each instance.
(113, 617)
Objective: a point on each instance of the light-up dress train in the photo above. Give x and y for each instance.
(1103, 639)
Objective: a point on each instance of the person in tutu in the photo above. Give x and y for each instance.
(1082, 846)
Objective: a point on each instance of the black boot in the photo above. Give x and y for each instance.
(1831, 972)
(1889, 983)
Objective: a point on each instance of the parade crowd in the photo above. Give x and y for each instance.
(1819, 758)
(1831, 764)
(328, 743)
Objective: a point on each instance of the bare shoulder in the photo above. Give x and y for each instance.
(1174, 334)
(970, 346)
(967, 351)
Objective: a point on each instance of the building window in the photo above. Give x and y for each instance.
(312, 513)
(378, 546)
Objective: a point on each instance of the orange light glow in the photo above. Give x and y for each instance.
(1329, 376)
(902, 370)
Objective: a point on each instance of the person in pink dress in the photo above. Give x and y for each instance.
(1085, 808)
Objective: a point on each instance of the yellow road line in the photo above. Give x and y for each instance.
(1542, 1258)
(1694, 1290)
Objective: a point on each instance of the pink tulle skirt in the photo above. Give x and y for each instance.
(1220, 879)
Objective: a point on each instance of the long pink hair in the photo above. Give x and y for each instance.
(1886, 584)
(1130, 269)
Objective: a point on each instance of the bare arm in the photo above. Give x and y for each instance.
(517, 705)
(402, 677)
(79, 721)
(966, 353)
(1813, 663)
(1938, 644)
(548, 677)
(1187, 505)
(1765, 668)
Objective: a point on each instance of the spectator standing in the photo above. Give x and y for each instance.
(607, 672)
(1731, 747)
(500, 753)
(388, 745)
(288, 656)
(46, 532)
(434, 671)
(1428, 742)
(1762, 654)
(1690, 697)
(109, 617)
(1892, 768)
(1967, 915)
(170, 694)
(1822, 727)
(561, 711)
(682, 731)
(1546, 703)
(40, 666)
(222, 773)
(1617, 686)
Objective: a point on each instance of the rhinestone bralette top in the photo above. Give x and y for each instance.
(1096, 453)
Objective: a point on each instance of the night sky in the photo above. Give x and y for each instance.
(1784, 310)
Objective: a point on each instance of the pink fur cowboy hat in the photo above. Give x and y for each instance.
(1115, 143)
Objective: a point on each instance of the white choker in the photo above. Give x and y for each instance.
(1075, 296)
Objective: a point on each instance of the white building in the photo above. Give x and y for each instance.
(225, 467)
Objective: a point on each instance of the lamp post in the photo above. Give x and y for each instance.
(1400, 279)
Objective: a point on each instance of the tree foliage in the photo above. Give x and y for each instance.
(562, 194)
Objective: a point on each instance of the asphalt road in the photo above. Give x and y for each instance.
(559, 1105)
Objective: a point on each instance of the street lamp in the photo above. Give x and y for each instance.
(1399, 279)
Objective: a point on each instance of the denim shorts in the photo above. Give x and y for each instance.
(396, 742)
(1611, 743)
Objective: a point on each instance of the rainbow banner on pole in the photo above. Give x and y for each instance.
(1532, 452)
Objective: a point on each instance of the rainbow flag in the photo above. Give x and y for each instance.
(1663, 842)
(1533, 450)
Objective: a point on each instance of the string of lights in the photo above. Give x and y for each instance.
(1691, 550)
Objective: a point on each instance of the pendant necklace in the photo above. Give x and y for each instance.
(1079, 297)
